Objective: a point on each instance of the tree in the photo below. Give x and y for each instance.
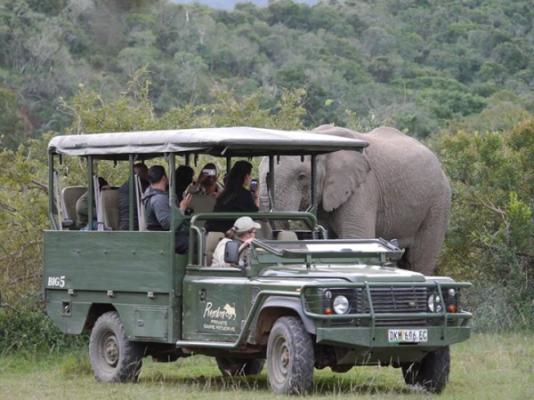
(12, 129)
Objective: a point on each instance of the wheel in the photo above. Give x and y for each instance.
(432, 372)
(290, 357)
(113, 357)
(236, 366)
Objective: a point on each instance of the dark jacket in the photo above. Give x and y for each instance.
(124, 206)
(241, 200)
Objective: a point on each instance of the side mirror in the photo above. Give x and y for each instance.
(231, 252)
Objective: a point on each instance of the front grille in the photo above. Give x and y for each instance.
(385, 299)
(392, 300)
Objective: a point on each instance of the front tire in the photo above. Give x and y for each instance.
(432, 372)
(239, 367)
(290, 357)
(113, 357)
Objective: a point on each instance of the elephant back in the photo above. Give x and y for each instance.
(409, 176)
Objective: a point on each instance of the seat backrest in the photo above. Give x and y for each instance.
(202, 203)
(287, 236)
(110, 208)
(69, 196)
(265, 232)
(139, 204)
(212, 239)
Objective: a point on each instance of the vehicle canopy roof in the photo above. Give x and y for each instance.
(225, 142)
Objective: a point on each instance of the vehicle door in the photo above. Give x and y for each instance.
(216, 301)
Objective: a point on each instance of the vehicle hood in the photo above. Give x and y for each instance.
(350, 273)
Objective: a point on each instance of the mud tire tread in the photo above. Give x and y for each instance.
(130, 354)
(300, 376)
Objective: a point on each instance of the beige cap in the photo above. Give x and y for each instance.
(245, 224)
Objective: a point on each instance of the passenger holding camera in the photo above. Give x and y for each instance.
(207, 182)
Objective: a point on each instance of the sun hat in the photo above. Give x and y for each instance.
(245, 224)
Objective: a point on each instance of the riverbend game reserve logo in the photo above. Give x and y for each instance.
(219, 318)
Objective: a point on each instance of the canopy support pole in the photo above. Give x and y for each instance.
(228, 165)
(51, 191)
(90, 193)
(131, 187)
(270, 183)
(313, 182)
(172, 183)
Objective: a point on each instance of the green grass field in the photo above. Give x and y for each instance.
(485, 367)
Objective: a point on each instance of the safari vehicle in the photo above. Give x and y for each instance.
(300, 302)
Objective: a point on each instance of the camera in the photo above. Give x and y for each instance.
(209, 172)
(253, 185)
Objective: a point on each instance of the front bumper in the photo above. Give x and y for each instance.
(369, 329)
(377, 337)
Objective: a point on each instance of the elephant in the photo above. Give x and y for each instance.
(394, 189)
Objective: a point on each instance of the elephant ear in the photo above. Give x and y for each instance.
(344, 172)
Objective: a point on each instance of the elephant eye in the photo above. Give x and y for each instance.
(301, 177)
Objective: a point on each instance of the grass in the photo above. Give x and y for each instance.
(485, 367)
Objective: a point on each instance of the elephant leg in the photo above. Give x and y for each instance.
(422, 255)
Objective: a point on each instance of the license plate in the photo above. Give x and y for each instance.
(408, 335)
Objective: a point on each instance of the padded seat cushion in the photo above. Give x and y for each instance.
(212, 239)
(110, 208)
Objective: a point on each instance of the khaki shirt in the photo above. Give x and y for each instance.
(218, 255)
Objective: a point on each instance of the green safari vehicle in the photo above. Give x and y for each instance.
(299, 302)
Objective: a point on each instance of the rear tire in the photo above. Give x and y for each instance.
(432, 372)
(113, 357)
(290, 357)
(239, 367)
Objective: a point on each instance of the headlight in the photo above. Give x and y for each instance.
(434, 303)
(341, 305)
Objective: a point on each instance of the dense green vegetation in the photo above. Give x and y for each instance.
(414, 64)
(457, 74)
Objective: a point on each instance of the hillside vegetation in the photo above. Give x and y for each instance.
(457, 75)
(415, 64)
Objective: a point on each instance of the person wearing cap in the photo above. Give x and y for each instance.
(157, 209)
(244, 230)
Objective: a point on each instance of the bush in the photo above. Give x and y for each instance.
(491, 232)
(32, 331)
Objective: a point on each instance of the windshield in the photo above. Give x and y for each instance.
(372, 251)
(329, 246)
